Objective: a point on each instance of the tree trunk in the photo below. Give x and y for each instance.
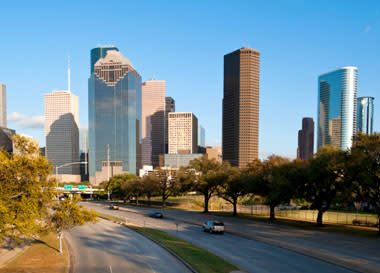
(235, 207)
(148, 200)
(379, 224)
(319, 217)
(206, 203)
(137, 201)
(60, 242)
(163, 201)
(272, 217)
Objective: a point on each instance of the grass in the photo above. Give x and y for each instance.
(200, 259)
(110, 217)
(41, 257)
(306, 225)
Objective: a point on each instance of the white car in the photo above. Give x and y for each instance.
(213, 227)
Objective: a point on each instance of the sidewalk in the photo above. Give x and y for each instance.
(6, 255)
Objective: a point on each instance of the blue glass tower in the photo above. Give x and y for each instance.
(337, 107)
(114, 118)
(99, 53)
(365, 115)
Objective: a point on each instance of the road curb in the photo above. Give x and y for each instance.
(70, 254)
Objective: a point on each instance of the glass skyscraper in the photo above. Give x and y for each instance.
(99, 53)
(114, 118)
(365, 115)
(337, 107)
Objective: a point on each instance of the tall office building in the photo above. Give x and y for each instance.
(169, 107)
(337, 107)
(99, 53)
(114, 118)
(183, 133)
(365, 110)
(306, 139)
(83, 153)
(3, 105)
(61, 130)
(153, 121)
(240, 142)
(201, 136)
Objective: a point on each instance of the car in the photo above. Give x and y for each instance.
(115, 207)
(213, 227)
(156, 214)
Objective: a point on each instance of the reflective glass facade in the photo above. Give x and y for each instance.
(98, 53)
(114, 116)
(337, 107)
(365, 115)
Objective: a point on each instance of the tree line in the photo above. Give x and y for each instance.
(330, 177)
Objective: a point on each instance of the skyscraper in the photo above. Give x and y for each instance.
(3, 105)
(201, 136)
(169, 107)
(61, 130)
(337, 107)
(153, 121)
(114, 118)
(241, 106)
(365, 110)
(83, 153)
(99, 53)
(183, 133)
(306, 139)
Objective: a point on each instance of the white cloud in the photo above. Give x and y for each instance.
(367, 28)
(26, 122)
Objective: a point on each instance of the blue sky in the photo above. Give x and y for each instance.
(183, 42)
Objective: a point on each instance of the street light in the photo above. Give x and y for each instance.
(65, 165)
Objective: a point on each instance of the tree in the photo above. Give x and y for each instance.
(363, 170)
(324, 179)
(26, 193)
(68, 214)
(151, 187)
(205, 175)
(114, 185)
(134, 188)
(168, 183)
(272, 183)
(233, 187)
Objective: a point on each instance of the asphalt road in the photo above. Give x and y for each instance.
(106, 247)
(249, 255)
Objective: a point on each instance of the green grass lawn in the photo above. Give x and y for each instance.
(200, 259)
(41, 256)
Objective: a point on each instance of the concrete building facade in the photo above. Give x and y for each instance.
(153, 121)
(3, 105)
(240, 140)
(214, 152)
(61, 130)
(183, 133)
(305, 148)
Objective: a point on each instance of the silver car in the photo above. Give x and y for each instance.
(213, 227)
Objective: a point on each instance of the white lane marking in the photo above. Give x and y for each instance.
(110, 267)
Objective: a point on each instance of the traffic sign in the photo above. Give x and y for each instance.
(82, 187)
(68, 187)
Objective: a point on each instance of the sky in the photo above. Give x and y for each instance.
(183, 43)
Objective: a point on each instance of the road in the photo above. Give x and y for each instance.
(106, 247)
(249, 255)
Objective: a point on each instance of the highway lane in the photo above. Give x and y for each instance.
(106, 247)
(249, 255)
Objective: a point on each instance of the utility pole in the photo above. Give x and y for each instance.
(108, 168)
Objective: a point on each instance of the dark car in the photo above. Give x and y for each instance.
(156, 214)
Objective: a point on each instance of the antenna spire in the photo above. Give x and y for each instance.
(68, 74)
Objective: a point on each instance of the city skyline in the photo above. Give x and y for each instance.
(284, 98)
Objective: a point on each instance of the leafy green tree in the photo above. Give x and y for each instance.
(272, 182)
(233, 187)
(363, 170)
(151, 187)
(114, 185)
(205, 176)
(26, 193)
(134, 188)
(168, 183)
(324, 179)
(68, 214)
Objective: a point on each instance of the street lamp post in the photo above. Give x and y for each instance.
(64, 165)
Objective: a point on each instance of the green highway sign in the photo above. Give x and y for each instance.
(81, 187)
(68, 187)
